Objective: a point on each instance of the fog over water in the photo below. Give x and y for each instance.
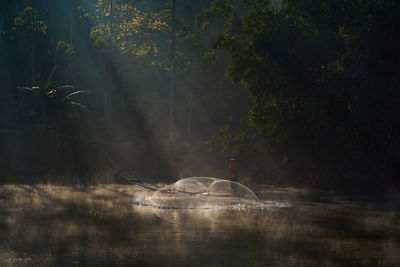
(107, 105)
(58, 225)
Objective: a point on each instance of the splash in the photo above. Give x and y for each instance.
(205, 193)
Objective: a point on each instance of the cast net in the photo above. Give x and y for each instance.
(203, 193)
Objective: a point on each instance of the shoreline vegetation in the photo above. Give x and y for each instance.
(300, 93)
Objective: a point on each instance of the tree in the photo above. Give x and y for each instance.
(121, 25)
(217, 20)
(322, 73)
(172, 72)
(49, 105)
(29, 24)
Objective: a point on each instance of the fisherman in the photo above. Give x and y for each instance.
(233, 169)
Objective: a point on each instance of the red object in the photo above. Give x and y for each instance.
(234, 170)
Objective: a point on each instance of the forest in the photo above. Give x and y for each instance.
(301, 93)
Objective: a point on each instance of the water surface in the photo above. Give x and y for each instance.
(54, 225)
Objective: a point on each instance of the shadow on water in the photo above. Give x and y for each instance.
(97, 225)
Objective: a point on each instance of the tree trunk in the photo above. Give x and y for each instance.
(107, 92)
(33, 80)
(220, 72)
(71, 35)
(55, 30)
(4, 9)
(172, 74)
(190, 114)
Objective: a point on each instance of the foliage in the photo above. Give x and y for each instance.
(121, 24)
(50, 104)
(231, 139)
(323, 74)
(324, 77)
(64, 48)
(217, 20)
(221, 12)
(29, 21)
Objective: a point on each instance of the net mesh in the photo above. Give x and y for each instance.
(203, 192)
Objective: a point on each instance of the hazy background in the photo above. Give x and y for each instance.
(301, 92)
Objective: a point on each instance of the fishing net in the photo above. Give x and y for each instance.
(203, 193)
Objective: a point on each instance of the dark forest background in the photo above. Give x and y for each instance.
(300, 92)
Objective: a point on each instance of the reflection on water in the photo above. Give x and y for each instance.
(61, 225)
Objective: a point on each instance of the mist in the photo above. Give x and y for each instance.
(106, 103)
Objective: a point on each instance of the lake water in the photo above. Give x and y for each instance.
(54, 225)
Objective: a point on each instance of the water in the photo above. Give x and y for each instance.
(200, 193)
(52, 225)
